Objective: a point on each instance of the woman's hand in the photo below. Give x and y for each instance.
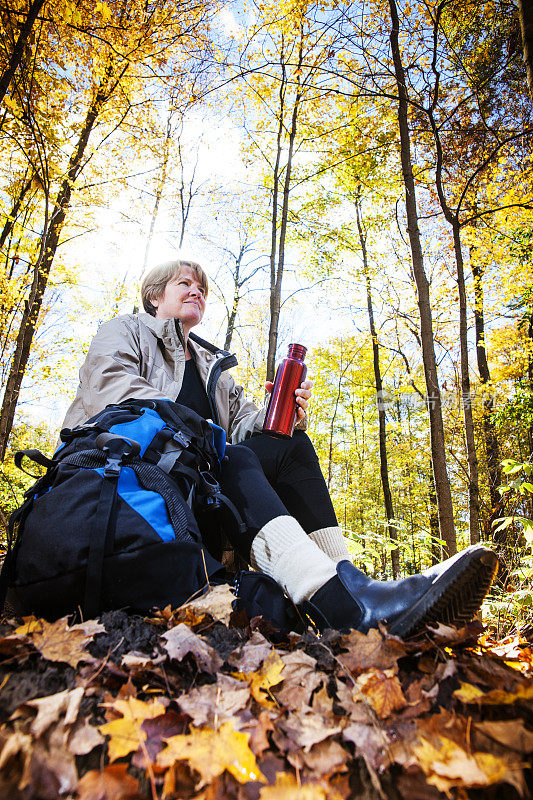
(302, 396)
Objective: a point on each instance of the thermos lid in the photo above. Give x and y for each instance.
(297, 351)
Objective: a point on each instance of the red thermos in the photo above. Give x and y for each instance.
(281, 412)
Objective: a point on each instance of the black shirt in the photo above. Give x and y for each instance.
(192, 393)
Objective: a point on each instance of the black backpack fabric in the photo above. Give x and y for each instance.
(111, 524)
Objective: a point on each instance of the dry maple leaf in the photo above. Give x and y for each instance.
(210, 752)
(217, 602)
(49, 709)
(322, 760)
(450, 766)
(257, 728)
(264, 679)
(383, 691)
(215, 702)
(83, 738)
(57, 642)
(304, 729)
(287, 788)
(300, 679)
(181, 640)
(370, 651)
(249, 656)
(468, 693)
(111, 783)
(510, 733)
(126, 733)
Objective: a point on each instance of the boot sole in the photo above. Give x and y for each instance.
(454, 598)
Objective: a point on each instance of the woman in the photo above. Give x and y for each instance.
(291, 529)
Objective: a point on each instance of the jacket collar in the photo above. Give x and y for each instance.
(168, 328)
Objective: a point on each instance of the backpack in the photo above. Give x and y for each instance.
(111, 523)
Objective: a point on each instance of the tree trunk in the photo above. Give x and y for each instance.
(236, 298)
(41, 271)
(525, 12)
(158, 194)
(438, 453)
(492, 447)
(18, 50)
(384, 467)
(276, 273)
(473, 466)
(271, 355)
(13, 214)
(433, 520)
(466, 395)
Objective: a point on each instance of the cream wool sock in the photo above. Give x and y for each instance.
(284, 551)
(332, 542)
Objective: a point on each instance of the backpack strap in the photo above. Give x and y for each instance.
(115, 449)
(97, 542)
(33, 455)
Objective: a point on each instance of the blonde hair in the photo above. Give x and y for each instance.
(153, 285)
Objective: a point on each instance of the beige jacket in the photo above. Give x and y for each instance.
(139, 356)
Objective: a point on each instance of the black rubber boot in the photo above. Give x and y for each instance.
(450, 592)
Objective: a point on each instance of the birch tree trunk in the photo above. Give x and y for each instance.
(438, 453)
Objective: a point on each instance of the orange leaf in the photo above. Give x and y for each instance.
(210, 752)
(287, 788)
(383, 691)
(262, 681)
(57, 642)
(126, 734)
(112, 783)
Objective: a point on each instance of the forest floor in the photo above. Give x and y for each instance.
(202, 703)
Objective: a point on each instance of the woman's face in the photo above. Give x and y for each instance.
(182, 299)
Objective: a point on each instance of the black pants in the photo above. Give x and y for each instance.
(267, 477)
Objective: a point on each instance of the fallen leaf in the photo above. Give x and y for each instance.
(449, 766)
(370, 741)
(56, 641)
(354, 703)
(383, 691)
(472, 694)
(157, 729)
(217, 602)
(50, 771)
(370, 651)
(257, 729)
(305, 728)
(126, 733)
(287, 788)
(90, 627)
(264, 679)
(210, 752)
(322, 760)
(110, 783)
(215, 702)
(181, 640)
(249, 656)
(54, 706)
(300, 679)
(510, 733)
(83, 738)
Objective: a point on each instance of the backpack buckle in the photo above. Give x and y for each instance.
(182, 439)
(116, 448)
